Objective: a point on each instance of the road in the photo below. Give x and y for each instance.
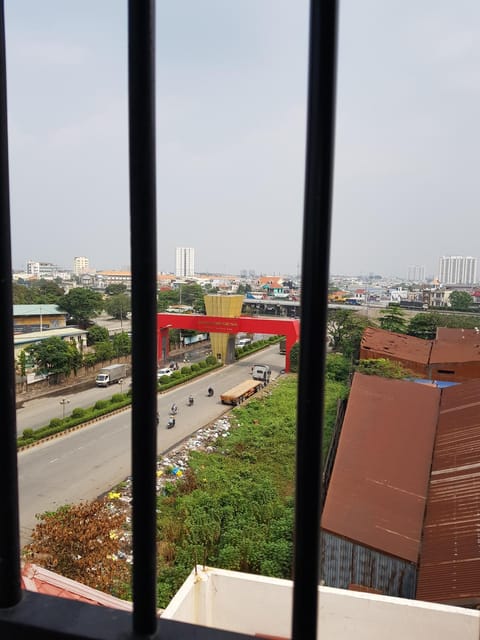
(88, 462)
(38, 412)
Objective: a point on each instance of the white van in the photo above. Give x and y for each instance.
(242, 342)
(261, 372)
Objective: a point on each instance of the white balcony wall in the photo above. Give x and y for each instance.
(257, 604)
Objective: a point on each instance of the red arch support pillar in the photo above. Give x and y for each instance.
(163, 343)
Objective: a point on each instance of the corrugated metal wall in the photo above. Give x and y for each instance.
(343, 563)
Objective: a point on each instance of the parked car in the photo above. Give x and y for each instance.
(164, 372)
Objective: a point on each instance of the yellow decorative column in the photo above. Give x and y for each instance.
(226, 307)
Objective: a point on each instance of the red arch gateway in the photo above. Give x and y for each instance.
(288, 327)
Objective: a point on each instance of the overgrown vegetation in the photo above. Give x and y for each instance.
(234, 507)
(83, 542)
(384, 368)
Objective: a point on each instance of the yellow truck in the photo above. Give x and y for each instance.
(241, 392)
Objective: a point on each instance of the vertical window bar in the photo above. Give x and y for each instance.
(141, 65)
(315, 268)
(10, 592)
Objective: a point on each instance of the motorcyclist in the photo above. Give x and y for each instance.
(174, 409)
(190, 401)
(210, 392)
(171, 423)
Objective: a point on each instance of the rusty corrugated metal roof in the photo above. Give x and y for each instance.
(455, 345)
(379, 483)
(450, 558)
(396, 345)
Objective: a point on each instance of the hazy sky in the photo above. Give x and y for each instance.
(231, 92)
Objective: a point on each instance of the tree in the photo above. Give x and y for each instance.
(337, 367)
(38, 292)
(122, 344)
(54, 357)
(393, 319)
(47, 292)
(192, 295)
(97, 334)
(424, 325)
(22, 363)
(115, 289)
(104, 350)
(82, 542)
(82, 305)
(118, 305)
(167, 298)
(383, 367)
(460, 300)
(242, 288)
(295, 357)
(344, 331)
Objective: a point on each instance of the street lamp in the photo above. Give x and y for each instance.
(63, 402)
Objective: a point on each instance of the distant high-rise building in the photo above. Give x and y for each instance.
(457, 270)
(416, 273)
(184, 262)
(80, 265)
(42, 269)
(33, 268)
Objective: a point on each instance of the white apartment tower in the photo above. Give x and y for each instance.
(184, 262)
(80, 265)
(457, 270)
(416, 273)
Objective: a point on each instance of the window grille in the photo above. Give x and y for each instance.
(32, 615)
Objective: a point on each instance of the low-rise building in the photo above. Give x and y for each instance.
(37, 317)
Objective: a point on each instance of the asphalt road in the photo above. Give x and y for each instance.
(88, 462)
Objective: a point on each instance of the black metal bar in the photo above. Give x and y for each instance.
(315, 266)
(141, 64)
(10, 592)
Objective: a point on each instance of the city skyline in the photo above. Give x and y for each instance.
(231, 96)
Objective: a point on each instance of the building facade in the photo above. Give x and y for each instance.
(416, 273)
(184, 262)
(457, 270)
(42, 269)
(80, 265)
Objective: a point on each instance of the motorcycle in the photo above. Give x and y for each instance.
(173, 410)
(210, 392)
(190, 401)
(171, 423)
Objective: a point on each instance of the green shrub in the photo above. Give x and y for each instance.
(211, 360)
(185, 370)
(55, 422)
(202, 364)
(78, 412)
(117, 397)
(176, 375)
(101, 404)
(28, 433)
(23, 442)
(195, 367)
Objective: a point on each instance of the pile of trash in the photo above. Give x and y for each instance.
(170, 468)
